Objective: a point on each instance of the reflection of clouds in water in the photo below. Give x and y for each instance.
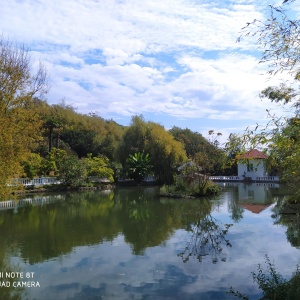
(208, 239)
(114, 271)
(110, 270)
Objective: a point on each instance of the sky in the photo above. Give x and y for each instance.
(176, 62)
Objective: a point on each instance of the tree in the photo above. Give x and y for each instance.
(53, 161)
(66, 129)
(32, 165)
(19, 86)
(279, 37)
(166, 154)
(134, 138)
(72, 171)
(196, 145)
(192, 141)
(272, 284)
(99, 167)
(138, 166)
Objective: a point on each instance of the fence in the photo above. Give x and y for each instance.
(240, 178)
(36, 181)
(15, 204)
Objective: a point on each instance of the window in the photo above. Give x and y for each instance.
(250, 167)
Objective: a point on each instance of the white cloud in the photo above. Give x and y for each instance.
(175, 57)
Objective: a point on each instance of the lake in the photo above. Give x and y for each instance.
(128, 243)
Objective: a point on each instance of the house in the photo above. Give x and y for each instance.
(252, 164)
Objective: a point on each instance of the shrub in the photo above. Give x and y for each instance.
(273, 285)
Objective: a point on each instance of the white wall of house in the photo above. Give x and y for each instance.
(255, 168)
(254, 193)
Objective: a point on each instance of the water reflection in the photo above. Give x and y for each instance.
(208, 238)
(131, 244)
(253, 197)
(289, 217)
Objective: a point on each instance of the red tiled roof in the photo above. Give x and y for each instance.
(255, 208)
(252, 154)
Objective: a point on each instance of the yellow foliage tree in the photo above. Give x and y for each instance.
(19, 121)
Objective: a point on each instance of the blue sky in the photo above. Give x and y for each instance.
(176, 62)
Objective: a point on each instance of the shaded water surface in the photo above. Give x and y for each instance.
(131, 244)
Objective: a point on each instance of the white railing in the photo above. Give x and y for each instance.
(15, 204)
(240, 178)
(98, 179)
(268, 178)
(51, 180)
(7, 204)
(226, 178)
(36, 181)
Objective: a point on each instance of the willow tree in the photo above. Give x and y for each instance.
(166, 154)
(19, 121)
(279, 39)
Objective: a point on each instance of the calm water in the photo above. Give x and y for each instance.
(130, 244)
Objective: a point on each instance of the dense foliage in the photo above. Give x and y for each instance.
(190, 182)
(166, 154)
(138, 166)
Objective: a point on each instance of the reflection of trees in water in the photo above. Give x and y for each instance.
(288, 216)
(37, 233)
(145, 221)
(89, 218)
(235, 209)
(234, 206)
(10, 292)
(208, 238)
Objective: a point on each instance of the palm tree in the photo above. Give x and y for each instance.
(138, 166)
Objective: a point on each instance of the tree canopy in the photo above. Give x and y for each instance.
(19, 119)
(165, 152)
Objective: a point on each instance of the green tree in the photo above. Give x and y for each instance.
(134, 138)
(19, 86)
(81, 141)
(279, 38)
(138, 166)
(195, 145)
(53, 161)
(193, 141)
(32, 166)
(66, 129)
(99, 167)
(72, 171)
(166, 154)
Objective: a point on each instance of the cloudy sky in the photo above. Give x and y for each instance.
(176, 62)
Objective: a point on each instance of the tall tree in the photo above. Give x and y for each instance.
(279, 38)
(20, 123)
(165, 153)
(197, 146)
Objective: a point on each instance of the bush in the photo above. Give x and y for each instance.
(273, 285)
(198, 188)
